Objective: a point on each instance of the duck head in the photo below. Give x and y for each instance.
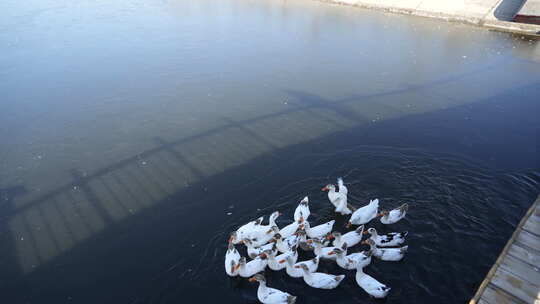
(303, 267)
(371, 231)
(329, 187)
(383, 213)
(257, 278)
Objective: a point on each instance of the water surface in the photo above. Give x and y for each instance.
(137, 134)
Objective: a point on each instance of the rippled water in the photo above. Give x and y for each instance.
(136, 135)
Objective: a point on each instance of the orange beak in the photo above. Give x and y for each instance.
(233, 269)
(380, 214)
(363, 243)
(329, 237)
(349, 224)
(236, 267)
(365, 232)
(331, 253)
(252, 279)
(301, 219)
(309, 241)
(296, 266)
(269, 231)
(282, 261)
(324, 189)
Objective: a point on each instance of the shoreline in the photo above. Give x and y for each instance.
(483, 16)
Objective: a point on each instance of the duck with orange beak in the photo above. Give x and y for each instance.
(395, 215)
(296, 272)
(326, 253)
(274, 261)
(320, 280)
(338, 198)
(351, 238)
(386, 254)
(391, 239)
(245, 230)
(353, 260)
(320, 230)
(267, 295)
(247, 269)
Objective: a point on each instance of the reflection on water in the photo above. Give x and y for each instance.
(121, 115)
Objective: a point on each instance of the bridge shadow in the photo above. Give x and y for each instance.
(57, 233)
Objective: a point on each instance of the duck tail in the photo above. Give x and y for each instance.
(404, 234)
(403, 249)
(339, 278)
(291, 299)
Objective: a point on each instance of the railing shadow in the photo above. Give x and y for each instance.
(61, 219)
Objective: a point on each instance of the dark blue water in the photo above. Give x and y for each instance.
(136, 135)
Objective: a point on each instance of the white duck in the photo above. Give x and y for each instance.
(290, 229)
(253, 251)
(302, 211)
(393, 216)
(296, 272)
(323, 252)
(338, 199)
(232, 258)
(319, 279)
(320, 230)
(391, 239)
(274, 261)
(287, 244)
(262, 239)
(269, 295)
(387, 254)
(353, 260)
(351, 238)
(373, 287)
(244, 230)
(365, 214)
(260, 230)
(257, 265)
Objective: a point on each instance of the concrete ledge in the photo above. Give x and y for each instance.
(479, 13)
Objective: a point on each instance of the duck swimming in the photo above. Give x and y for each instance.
(232, 258)
(387, 254)
(351, 238)
(244, 230)
(365, 214)
(274, 261)
(296, 272)
(339, 198)
(269, 295)
(250, 268)
(391, 239)
(395, 215)
(302, 211)
(373, 287)
(353, 260)
(320, 230)
(319, 279)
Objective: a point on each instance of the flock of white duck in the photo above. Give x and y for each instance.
(277, 248)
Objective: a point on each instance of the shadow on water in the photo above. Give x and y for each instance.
(103, 232)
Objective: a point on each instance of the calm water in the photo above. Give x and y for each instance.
(135, 135)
